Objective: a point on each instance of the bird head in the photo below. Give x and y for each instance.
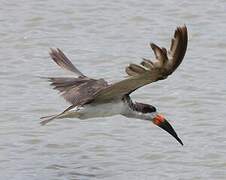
(149, 112)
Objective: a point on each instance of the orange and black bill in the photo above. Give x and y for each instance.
(160, 121)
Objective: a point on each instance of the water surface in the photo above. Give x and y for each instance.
(101, 38)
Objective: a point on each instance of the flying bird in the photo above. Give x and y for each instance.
(91, 98)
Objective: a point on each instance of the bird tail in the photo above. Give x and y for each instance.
(47, 119)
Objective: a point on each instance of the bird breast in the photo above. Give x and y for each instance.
(102, 110)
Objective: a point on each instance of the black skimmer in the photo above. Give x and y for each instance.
(97, 98)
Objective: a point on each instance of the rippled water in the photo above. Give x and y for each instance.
(102, 37)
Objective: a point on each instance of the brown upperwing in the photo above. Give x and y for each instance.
(148, 72)
(76, 90)
(61, 59)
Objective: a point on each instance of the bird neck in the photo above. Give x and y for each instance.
(131, 105)
(138, 110)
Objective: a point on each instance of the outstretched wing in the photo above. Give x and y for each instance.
(61, 59)
(147, 72)
(76, 90)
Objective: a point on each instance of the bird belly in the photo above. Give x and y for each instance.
(101, 110)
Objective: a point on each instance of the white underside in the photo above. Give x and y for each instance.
(106, 110)
(96, 110)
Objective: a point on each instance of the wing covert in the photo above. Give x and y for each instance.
(148, 71)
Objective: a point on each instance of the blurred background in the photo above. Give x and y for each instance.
(101, 38)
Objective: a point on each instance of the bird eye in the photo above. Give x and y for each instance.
(153, 109)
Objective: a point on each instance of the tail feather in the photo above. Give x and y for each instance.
(52, 117)
(49, 118)
(44, 117)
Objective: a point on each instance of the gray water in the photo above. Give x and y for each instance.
(101, 38)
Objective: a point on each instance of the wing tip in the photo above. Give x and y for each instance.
(61, 60)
